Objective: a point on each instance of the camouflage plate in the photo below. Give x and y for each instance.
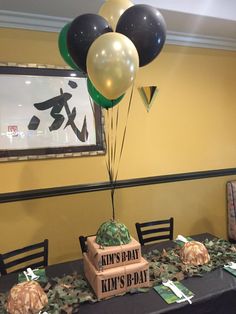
(38, 272)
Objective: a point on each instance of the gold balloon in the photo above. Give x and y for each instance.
(112, 64)
(111, 10)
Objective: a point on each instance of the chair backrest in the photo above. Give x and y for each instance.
(155, 230)
(32, 256)
(83, 242)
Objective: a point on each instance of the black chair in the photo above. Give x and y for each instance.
(83, 242)
(155, 230)
(32, 256)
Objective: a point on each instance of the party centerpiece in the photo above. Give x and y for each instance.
(114, 264)
(113, 246)
(110, 47)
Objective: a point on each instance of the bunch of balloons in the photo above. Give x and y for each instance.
(109, 47)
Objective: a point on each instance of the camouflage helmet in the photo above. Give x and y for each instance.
(26, 297)
(194, 253)
(112, 233)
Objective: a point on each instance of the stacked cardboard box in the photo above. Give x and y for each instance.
(116, 269)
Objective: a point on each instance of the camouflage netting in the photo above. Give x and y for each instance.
(168, 264)
(112, 233)
(66, 293)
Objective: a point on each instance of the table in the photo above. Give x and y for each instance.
(215, 292)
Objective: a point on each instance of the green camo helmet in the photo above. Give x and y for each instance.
(112, 233)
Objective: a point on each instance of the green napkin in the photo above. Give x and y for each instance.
(230, 270)
(39, 272)
(168, 295)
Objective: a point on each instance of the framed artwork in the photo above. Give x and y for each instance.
(47, 113)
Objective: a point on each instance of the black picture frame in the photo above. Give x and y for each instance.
(10, 131)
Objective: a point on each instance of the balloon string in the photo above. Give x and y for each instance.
(112, 132)
(113, 203)
(124, 134)
(108, 148)
(109, 163)
(112, 144)
(112, 192)
(108, 171)
(113, 159)
(116, 132)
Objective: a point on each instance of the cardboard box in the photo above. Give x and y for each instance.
(113, 256)
(117, 280)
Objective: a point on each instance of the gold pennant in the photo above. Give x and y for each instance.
(148, 94)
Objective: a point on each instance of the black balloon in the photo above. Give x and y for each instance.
(81, 34)
(146, 28)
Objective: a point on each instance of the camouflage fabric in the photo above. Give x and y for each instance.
(3, 303)
(112, 233)
(194, 253)
(26, 297)
(167, 264)
(66, 293)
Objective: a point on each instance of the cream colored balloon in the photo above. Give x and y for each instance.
(111, 10)
(112, 64)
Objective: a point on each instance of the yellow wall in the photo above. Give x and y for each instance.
(191, 127)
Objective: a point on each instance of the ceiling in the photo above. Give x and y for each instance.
(201, 23)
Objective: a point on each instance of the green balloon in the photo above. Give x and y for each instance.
(62, 44)
(99, 99)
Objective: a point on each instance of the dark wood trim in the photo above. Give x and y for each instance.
(37, 71)
(102, 186)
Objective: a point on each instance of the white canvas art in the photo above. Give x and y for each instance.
(46, 112)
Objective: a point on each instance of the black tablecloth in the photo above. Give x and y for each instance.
(215, 292)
